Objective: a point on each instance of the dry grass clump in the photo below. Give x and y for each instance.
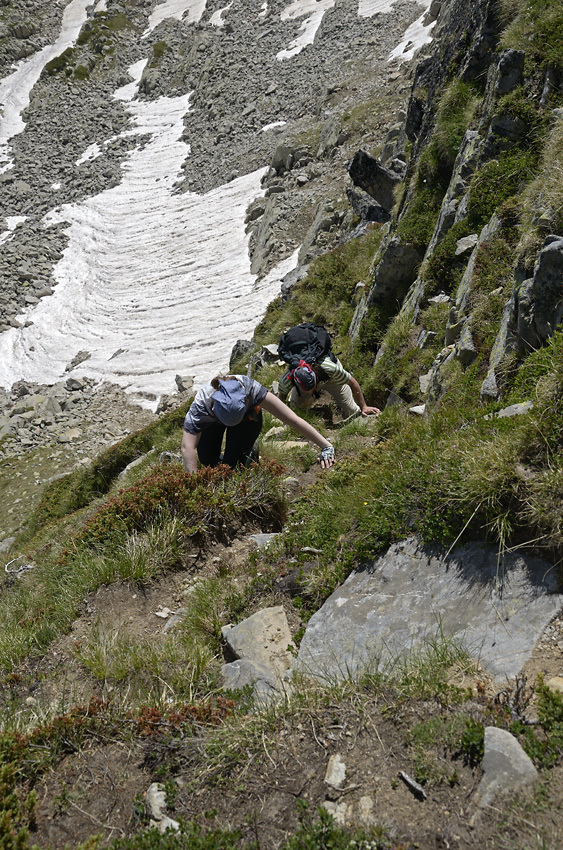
(544, 196)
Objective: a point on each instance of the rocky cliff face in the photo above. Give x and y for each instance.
(462, 201)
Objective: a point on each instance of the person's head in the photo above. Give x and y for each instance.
(304, 378)
(229, 400)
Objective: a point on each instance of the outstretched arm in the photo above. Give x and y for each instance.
(360, 400)
(188, 449)
(286, 415)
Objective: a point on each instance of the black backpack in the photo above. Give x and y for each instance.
(307, 342)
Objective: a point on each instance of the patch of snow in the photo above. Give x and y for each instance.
(368, 8)
(92, 152)
(15, 89)
(12, 222)
(415, 37)
(176, 9)
(272, 125)
(101, 6)
(129, 90)
(216, 19)
(161, 277)
(315, 9)
(55, 186)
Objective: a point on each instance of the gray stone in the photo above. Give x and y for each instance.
(395, 270)
(331, 135)
(7, 543)
(240, 349)
(290, 279)
(466, 283)
(466, 244)
(74, 384)
(79, 358)
(265, 538)
(263, 639)
(244, 672)
(505, 341)
(155, 800)
(412, 594)
(282, 159)
(325, 219)
(167, 824)
(378, 181)
(506, 766)
(184, 382)
(539, 304)
(510, 69)
(335, 775)
(465, 348)
(512, 410)
(354, 331)
(365, 206)
(424, 382)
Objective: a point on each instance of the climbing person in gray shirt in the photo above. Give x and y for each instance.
(234, 404)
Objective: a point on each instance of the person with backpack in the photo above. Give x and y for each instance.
(234, 404)
(307, 348)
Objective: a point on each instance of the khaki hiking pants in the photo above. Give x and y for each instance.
(341, 393)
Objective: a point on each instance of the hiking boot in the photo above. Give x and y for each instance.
(254, 454)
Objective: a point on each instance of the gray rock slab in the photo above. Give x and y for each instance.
(242, 672)
(7, 543)
(506, 766)
(263, 639)
(267, 685)
(263, 538)
(498, 610)
(511, 410)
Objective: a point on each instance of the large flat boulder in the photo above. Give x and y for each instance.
(498, 608)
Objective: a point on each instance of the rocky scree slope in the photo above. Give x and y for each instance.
(329, 98)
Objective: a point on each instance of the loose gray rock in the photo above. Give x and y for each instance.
(258, 653)
(395, 270)
(505, 765)
(374, 178)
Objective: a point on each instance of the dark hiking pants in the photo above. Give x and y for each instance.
(239, 442)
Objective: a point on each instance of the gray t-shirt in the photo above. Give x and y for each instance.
(200, 415)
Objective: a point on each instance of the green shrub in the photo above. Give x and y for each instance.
(497, 181)
(60, 63)
(544, 746)
(325, 295)
(545, 193)
(197, 500)
(159, 48)
(16, 815)
(453, 116)
(538, 29)
(81, 72)
(443, 270)
(418, 221)
(79, 488)
(493, 282)
(471, 743)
